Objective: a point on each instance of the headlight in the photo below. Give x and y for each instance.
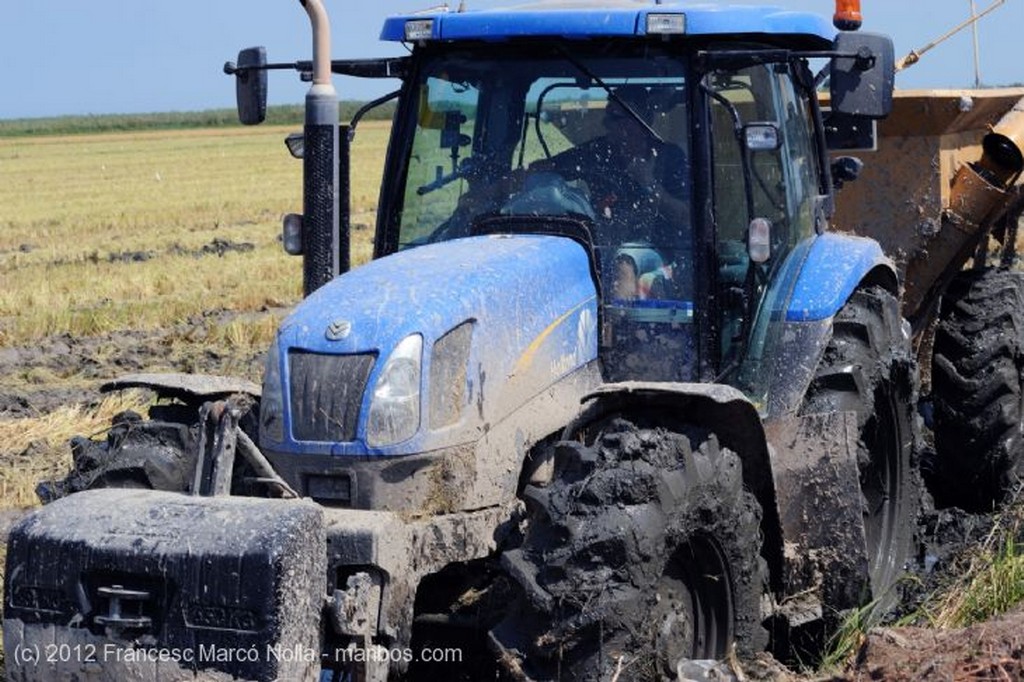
(395, 406)
(272, 400)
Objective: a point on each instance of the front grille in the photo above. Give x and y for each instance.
(325, 392)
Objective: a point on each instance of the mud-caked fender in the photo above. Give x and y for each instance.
(722, 410)
(830, 270)
(836, 265)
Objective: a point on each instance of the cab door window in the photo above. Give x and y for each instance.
(778, 183)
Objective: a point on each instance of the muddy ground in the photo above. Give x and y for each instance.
(988, 651)
(64, 370)
(993, 650)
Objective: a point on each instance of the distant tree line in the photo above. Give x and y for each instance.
(212, 118)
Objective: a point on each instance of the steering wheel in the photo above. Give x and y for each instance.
(543, 193)
(548, 193)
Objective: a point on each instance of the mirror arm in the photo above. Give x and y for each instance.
(389, 67)
(386, 67)
(231, 69)
(737, 124)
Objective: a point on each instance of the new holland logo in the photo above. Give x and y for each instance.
(338, 330)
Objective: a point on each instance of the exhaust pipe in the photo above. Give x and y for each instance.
(321, 42)
(321, 204)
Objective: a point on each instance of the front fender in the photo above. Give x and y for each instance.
(835, 267)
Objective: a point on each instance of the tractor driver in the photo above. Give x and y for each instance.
(636, 184)
(635, 180)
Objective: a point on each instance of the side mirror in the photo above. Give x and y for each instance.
(862, 85)
(849, 133)
(251, 85)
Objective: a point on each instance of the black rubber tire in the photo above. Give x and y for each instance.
(157, 453)
(643, 550)
(868, 368)
(978, 390)
(137, 453)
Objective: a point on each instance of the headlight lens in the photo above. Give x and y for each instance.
(395, 406)
(272, 400)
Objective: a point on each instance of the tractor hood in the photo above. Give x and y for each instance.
(498, 319)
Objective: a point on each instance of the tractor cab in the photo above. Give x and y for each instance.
(681, 148)
(689, 161)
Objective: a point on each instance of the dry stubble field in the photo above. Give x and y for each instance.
(140, 251)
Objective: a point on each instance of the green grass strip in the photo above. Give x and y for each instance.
(212, 118)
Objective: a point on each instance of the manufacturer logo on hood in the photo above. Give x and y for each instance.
(338, 330)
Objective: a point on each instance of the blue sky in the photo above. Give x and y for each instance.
(118, 56)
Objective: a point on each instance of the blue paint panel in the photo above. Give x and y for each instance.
(614, 21)
(834, 267)
(532, 300)
(780, 292)
(724, 19)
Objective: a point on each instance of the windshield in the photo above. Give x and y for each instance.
(601, 139)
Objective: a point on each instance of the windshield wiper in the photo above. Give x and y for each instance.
(611, 93)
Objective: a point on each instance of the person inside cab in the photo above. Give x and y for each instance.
(628, 182)
(635, 179)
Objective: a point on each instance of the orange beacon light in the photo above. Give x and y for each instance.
(847, 16)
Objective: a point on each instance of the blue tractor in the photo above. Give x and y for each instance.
(609, 396)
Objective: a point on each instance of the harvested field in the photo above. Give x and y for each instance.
(159, 251)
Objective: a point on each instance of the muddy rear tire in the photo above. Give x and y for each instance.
(978, 390)
(642, 551)
(868, 368)
(137, 453)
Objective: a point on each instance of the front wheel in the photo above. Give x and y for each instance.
(136, 453)
(643, 551)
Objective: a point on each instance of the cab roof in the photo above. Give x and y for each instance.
(610, 19)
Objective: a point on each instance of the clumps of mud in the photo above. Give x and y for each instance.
(946, 542)
(993, 650)
(950, 542)
(218, 247)
(122, 257)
